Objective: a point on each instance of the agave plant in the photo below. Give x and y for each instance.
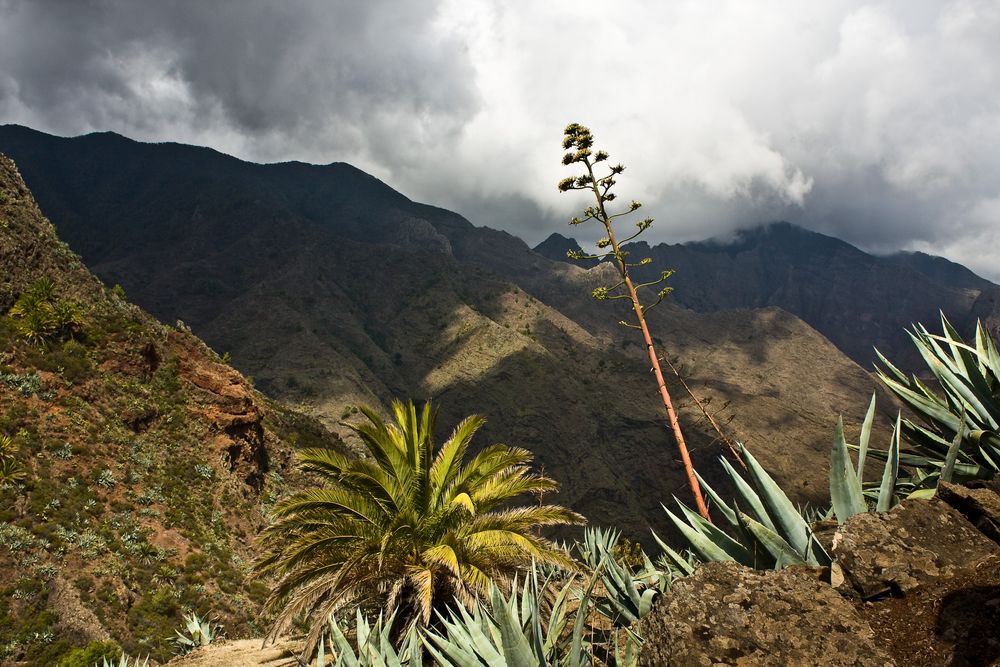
(850, 494)
(123, 661)
(374, 645)
(958, 432)
(197, 632)
(772, 532)
(627, 596)
(769, 534)
(512, 632)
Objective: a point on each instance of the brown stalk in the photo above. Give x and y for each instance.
(654, 361)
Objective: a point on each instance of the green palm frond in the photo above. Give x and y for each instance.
(11, 471)
(409, 527)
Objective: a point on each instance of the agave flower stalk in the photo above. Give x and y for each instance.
(580, 138)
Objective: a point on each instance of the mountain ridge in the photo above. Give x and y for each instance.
(857, 300)
(330, 297)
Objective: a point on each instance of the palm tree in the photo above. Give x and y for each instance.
(11, 470)
(409, 528)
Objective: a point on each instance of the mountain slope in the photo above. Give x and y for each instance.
(149, 464)
(331, 289)
(858, 301)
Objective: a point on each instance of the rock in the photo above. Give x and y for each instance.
(419, 233)
(224, 399)
(727, 614)
(980, 506)
(915, 543)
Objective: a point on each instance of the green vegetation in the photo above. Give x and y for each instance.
(11, 470)
(547, 617)
(197, 632)
(579, 141)
(39, 315)
(409, 528)
(123, 661)
(770, 533)
(957, 436)
(95, 653)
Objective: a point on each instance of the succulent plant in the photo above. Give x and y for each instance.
(197, 632)
(512, 631)
(771, 533)
(958, 432)
(373, 646)
(123, 661)
(626, 596)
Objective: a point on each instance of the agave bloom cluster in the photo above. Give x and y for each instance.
(410, 527)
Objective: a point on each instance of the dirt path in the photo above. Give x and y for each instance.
(241, 653)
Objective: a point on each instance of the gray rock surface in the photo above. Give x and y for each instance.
(892, 553)
(727, 614)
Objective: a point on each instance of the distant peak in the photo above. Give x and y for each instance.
(556, 247)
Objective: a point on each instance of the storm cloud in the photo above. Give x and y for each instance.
(876, 122)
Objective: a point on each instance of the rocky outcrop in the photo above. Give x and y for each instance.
(420, 234)
(731, 615)
(918, 542)
(228, 403)
(916, 586)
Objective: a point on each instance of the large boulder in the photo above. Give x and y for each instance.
(919, 541)
(727, 614)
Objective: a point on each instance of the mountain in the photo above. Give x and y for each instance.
(331, 289)
(857, 300)
(941, 270)
(148, 462)
(558, 247)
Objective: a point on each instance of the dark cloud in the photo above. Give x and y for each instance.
(876, 122)
(371, 80)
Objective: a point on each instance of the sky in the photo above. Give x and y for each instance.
(877, 122)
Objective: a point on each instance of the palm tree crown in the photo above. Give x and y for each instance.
(410, 527)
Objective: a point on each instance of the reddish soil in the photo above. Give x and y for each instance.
(955, 622)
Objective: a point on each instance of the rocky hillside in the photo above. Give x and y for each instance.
(146, 461)
(330, 288)
(857, 300)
